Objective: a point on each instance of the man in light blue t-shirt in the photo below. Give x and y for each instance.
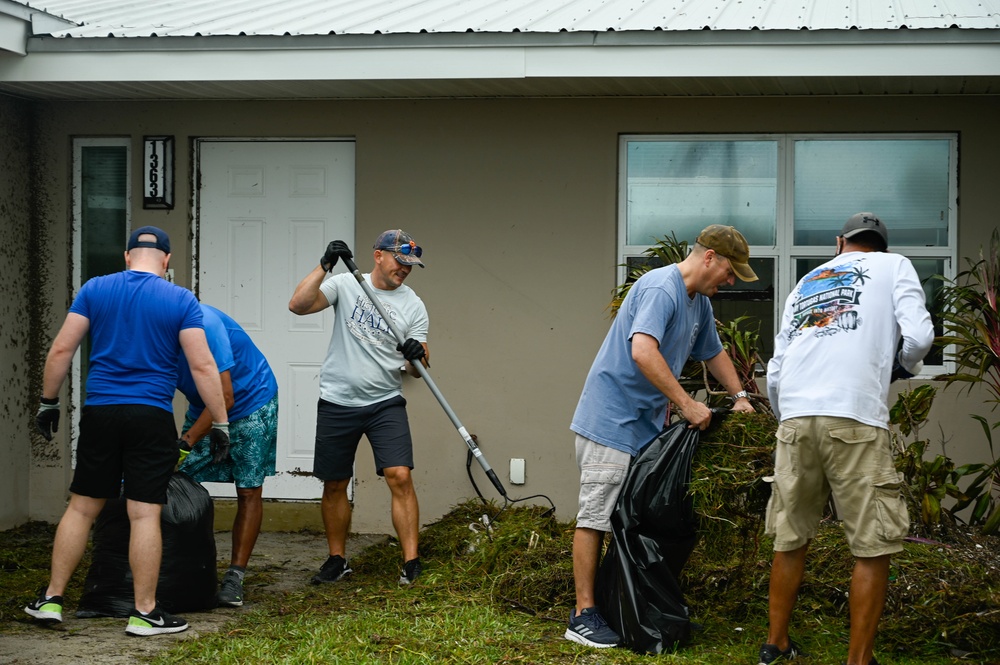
(665, 319)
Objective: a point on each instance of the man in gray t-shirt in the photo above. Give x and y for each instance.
(361, 388)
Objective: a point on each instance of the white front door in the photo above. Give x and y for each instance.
(265, 211)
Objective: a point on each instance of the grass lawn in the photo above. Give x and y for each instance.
(503, 596)
(505, 599)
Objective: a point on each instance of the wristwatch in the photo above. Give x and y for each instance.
(740, 395)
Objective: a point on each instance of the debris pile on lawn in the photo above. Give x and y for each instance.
(946, 593)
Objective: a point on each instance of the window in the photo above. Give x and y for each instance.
(100, 206)
(790, 195)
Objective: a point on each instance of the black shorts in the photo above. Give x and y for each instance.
(339, 429)
(131, 443)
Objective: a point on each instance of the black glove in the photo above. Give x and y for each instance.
(218, 440)
(335, 250)
(47, 418)
(900, 372)
(412, 349)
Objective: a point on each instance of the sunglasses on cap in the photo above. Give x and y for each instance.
(410, 248)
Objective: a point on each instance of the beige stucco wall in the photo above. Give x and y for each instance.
(15, 402)
(515, 203)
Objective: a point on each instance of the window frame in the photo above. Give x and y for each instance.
(784, 252)
(78, 144)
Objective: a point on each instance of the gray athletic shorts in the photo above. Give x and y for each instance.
(602, 472)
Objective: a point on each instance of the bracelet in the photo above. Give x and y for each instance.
(740, 395)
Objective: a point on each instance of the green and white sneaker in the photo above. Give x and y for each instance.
(231, 590)
(156, 622)
(45, 609)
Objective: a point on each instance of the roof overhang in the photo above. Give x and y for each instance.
(18, 22)
(647, 63)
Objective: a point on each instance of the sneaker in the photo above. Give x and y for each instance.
(411, 571)
(334, 569)
(156, 622)
(45, 609)
(231, 590)
(589, 628)
(769, 653)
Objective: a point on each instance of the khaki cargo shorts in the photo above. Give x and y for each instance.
(602, 472)
(819, 455)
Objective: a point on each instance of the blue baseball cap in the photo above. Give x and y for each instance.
(162, 239)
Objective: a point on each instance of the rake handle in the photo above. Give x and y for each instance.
(425, 375)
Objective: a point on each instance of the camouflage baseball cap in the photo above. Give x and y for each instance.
(730, 243)
(402, 246)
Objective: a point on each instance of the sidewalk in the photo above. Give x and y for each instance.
(290, 559)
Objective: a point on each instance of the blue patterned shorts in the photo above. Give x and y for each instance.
(253, 442)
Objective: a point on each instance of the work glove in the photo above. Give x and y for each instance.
(47, 418)
(900, 372)
(182, 451)
(218, 440)
(335, 250)
(412, 349)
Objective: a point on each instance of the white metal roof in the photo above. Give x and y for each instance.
(207, 18)
(339, 49)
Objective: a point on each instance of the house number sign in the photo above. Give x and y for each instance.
(158, 172)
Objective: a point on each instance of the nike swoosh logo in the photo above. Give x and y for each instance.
(161, 622)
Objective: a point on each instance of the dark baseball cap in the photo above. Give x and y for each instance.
(865, 222)
(730, 243)
(162, 242)
(402, 246)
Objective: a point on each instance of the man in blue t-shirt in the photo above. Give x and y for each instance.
(138, 324)
(251, 393)
(665, 319)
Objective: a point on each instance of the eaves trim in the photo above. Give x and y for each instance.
(538, 62)
(793, 38)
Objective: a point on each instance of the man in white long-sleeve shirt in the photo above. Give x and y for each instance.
(834, 357)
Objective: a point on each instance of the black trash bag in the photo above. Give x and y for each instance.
(653, 532)
(187, 579)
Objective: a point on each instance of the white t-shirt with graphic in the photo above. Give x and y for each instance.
(362, 364)
(839, 332)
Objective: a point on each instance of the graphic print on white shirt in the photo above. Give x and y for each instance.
(828, 299)
(367, 325)
(362, 363)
